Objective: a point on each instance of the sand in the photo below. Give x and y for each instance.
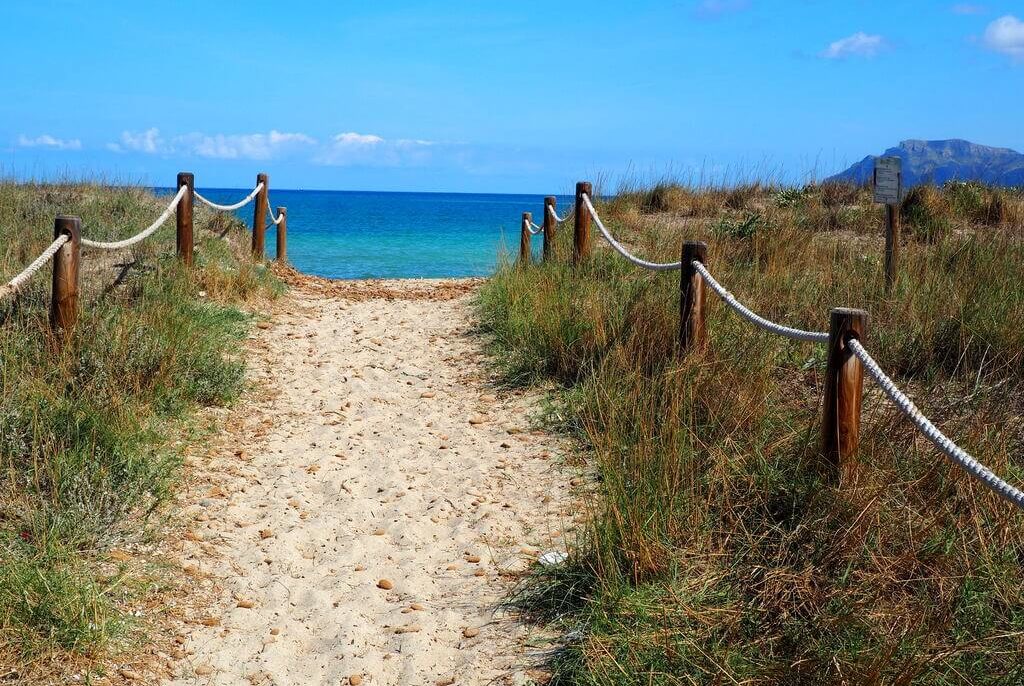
(367, 514)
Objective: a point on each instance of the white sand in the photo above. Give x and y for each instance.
(354, 475)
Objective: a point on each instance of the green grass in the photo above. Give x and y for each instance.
(92, 427)
(718, 549)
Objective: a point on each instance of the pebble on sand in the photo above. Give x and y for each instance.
(355, 679)
(385, 584)
(470, 632)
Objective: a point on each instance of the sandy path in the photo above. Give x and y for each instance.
(358, 462)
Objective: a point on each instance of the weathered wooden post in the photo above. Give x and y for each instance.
(64, 294)
(183, 218)
(550, 227)
(692, 331)
(892, 244)
(259, 217)
(844, 386)
(524, 239)
(581, 235)
(282, 235)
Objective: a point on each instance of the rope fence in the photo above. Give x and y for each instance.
(65, 250)
(847, 357)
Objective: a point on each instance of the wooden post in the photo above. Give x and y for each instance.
(183, 217)
(581, 235)
(892, 244)
(550, 227)
(64, 298)
(844, 385)
(524, 240)
(259, 218)
(692, 331)
(282, 235)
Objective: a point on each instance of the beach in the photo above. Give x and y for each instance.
(372, 502)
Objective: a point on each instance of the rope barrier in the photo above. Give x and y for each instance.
(955, 453)
(654, 266)
(145, 233)
(15, 284)
(227, 208)
(554, 215)
(753, 317)
(275, 220)
(534, 229)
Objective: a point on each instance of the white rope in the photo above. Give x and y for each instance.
(955, 453)
(15, 284)
(655, 266)
(751, 316)
(551, 211)
(276, 220)
(534, 229)
(241, 203)
(145, 233)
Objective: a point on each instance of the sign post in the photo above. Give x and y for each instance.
(888, 187)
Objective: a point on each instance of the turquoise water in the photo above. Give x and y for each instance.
(357, 235)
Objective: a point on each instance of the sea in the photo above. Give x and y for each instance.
(363, 235)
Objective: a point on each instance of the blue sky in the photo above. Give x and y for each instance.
(502, 97)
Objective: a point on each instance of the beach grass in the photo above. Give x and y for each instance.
(717, 548)
(94, 425)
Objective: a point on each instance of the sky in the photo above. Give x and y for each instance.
(496, 97)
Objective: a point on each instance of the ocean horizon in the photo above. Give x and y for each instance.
(394, 235)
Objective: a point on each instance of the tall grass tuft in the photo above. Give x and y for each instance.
(717, 550)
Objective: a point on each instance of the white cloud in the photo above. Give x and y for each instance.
(968, 9)
(48, 141)
(859, 44)
(356, 139)
(253, 146)
(350, 149)
(710, 9)
(148, 141)
(1006, 35)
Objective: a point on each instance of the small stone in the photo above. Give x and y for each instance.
(427, 394)
(246, 604)
(204, 670)
(355, 679)
(478, 419)
(479, 572)
(408, 629)
(472, 558)
(447, 681)
(385, 584)
(359, 568)
(130, 675)
(470, 632)
(379, 532)
(417, 606)
(266, 533)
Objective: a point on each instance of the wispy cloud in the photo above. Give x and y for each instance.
(1005, 35)
(712, 9)
(968, 9)
(351, 149)
(859, 44)
(251, 146)
(48, 141)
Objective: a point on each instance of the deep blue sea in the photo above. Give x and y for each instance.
(357, 235)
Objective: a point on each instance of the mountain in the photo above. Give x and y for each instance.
(941, 161)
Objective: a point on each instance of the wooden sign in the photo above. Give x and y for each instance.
(888, 180)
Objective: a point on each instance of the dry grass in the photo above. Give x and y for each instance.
(720, 550)
(92, 431)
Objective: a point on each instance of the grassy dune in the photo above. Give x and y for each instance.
(92, 430)
(716, 549)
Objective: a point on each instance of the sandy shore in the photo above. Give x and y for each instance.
(372, 503)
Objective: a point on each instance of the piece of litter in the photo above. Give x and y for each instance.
(553, 557)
